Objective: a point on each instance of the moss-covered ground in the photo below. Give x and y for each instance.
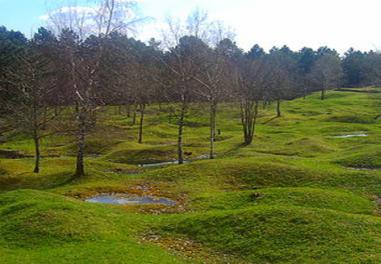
(299, 194)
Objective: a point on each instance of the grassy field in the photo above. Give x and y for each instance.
(306, 191)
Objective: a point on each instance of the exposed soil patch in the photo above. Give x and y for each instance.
(189, 249)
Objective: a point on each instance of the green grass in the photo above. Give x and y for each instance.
(367, 158)
(302, 196)
(298, 194)
(142, 156)
(284, 234)
(39, 227)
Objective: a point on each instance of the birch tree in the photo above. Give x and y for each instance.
(199, 64)
(100, 20)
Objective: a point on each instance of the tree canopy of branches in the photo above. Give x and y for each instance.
(326, 73)
(89, 60)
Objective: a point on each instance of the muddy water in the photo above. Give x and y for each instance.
(123, 199)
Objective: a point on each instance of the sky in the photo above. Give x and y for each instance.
(339, 24)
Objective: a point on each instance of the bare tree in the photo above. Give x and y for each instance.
(250, 84)
(31, 82)
(326, 73)
(106, 17)
(197, 24)
(198, 65)
(281, 75)
(181, 67)
(245, 83)
(144, 76)
(180, 62)
(212, 86)
(215, 68)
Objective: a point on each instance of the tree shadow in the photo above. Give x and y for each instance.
(271, 119)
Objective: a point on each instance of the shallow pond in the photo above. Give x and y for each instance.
(352, 135)
(123, 199)
(160, 164)
(166, 163)
(362, 169)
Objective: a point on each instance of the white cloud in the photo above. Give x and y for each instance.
(337, 23)
(92, 19)
(82, 10)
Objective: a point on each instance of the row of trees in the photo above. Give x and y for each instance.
(197, 61)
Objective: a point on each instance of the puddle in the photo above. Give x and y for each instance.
(122, 171)
(352, 135)
(160, 164)
(362, 169)
(166, 163)
(123, 199)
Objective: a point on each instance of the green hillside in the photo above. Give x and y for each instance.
(306, 191)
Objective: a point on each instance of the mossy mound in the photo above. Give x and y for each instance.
(94, 147)
(236, 172)
(40, 227)
(144, 156)
(359, 119)
(284, 234)
(155, 154)
(304, 147)
(309, 145)
(370, 159)
(18, 173)
(35, 218)
(12, 154)
(339, 200)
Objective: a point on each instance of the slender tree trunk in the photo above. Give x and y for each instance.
(278, 112)
(213, 111)
(128, 110)
(254, 121)
(81, 119)
(170, 115)
(142, 109)
(134, 115)
(180, 151)
(305, 89)
(36, 135)
(37, 156)
(322, 97)
(244, 120)
(45, 117)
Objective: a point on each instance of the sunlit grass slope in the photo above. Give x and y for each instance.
(306, 191)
